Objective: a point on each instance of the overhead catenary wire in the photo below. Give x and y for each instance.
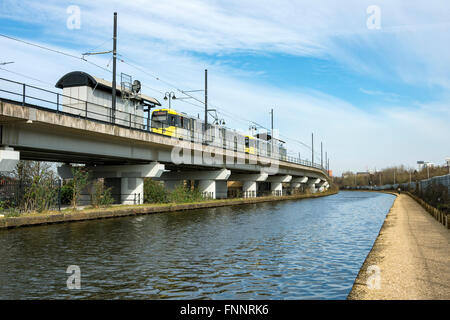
(28, 77)
(218, 110)
(54, 51)
(82, 58)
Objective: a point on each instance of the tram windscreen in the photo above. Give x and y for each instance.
(159, 116)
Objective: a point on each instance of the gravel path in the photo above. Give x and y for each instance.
(412, 255)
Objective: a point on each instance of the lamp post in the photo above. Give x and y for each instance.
(170, 96)
(271, 130)
(114, 93)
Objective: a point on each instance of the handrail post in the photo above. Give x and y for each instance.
(86, 107)
(57, 102)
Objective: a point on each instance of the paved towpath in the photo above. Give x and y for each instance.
(412, 255)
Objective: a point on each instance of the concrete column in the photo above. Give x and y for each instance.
(8, 159)
(212, 183)
(323, 185)
(213, 189)
(127, 181)
(132, 190)
(298, 183)
(249, 182)
(319, 185)
(311, 184)
(276, 183)
(295, 187)
(249, 189)
(276, 188)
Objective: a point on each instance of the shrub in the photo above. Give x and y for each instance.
(38, 191)
(101, 196)
(67, 192)
(181, 194)
(80, 180)
(154, 192)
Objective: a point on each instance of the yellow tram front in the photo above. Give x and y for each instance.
(250, 145)
(170, 123)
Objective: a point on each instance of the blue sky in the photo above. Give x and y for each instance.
(375, 97)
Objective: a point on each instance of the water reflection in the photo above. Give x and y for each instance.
(308, 249)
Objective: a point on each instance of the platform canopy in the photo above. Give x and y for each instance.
(81, 79)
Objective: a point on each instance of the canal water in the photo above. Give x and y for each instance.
(304, 249)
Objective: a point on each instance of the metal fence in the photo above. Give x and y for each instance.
(117, 198)
(442, 180)
(28, 196)
(411, 186)
(38, 98)
(235, 193)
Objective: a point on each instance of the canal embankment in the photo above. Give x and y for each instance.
(410, 258)
(34, 219)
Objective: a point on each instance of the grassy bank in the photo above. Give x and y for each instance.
(69, 215)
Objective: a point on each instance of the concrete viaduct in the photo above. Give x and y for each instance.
(125, 156)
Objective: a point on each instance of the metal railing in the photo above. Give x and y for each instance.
(30, 195)
(422, 184)
(39, 98)
(118, 198)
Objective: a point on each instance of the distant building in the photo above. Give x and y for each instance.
(424, 164)
(365, 173)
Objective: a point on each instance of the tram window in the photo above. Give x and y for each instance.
(184, 123)
(246, 142)
(172, 120)
(160, 116)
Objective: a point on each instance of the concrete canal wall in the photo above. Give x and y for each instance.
(122, 211)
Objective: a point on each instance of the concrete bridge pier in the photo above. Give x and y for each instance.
(249, 182)
(8, 159)
(297, 184)
(212, 183)
(131, 179)
(126, 181)
(276, 183)
(323, 185)
(311, 184)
